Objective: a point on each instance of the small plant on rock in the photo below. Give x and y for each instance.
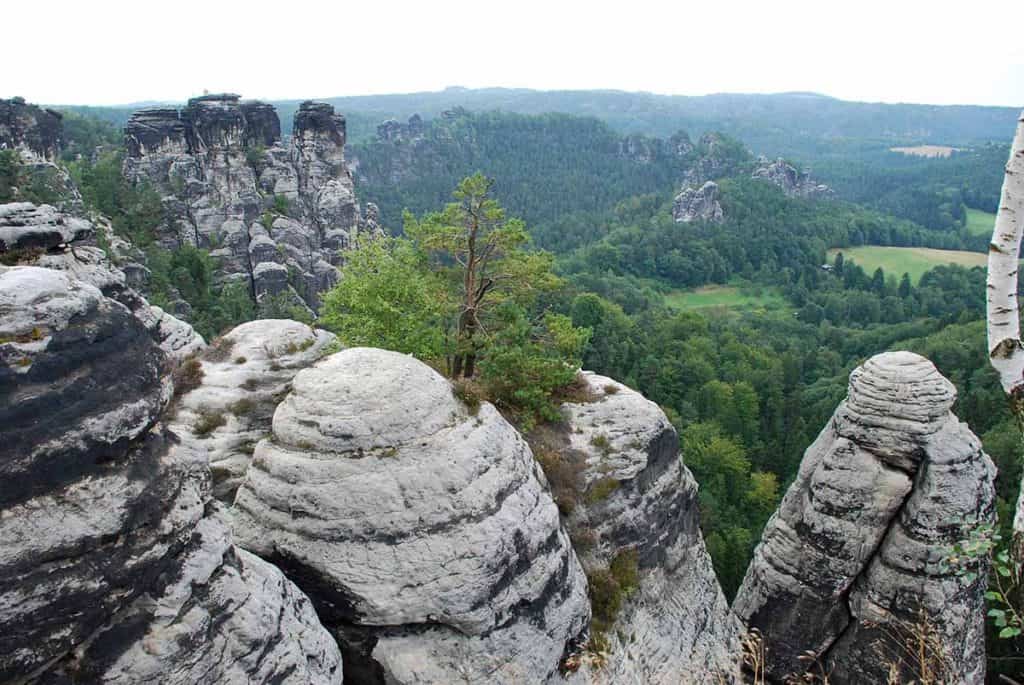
(187, 376)
(208, 422)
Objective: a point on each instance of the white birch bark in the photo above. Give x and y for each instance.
(1006, 352)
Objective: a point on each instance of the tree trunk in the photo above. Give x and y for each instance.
(1006, 352)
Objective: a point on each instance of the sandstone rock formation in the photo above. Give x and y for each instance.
(794, 182)
(698, 204)
(275, 215)
(393, 130)
(245, 374)
(30, 128)
(420, 529)
(855, 556)
(713, 157)
(110, 568)
(37, 135)
(46, 237)
(25, 226)
(637, 504)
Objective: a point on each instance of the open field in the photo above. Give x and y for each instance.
(979, 222)
(725, 296)
(896, 261)
(926, 150)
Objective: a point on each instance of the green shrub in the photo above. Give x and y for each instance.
(220, 349)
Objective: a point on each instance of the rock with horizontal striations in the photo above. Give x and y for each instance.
(90, 512)
(855, 555)
(89, 264)
(227, 617)
(246, 373)
(637, 505)
(420, 529)
(794, 182)
(112, 568)
(25, 226)
(700, 204)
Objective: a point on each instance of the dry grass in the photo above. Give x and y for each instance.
(576, 392)
(219, 350)
(187, 376)
(914, 652)
(208, 422)
(564, 471)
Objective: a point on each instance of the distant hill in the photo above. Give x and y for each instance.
(785, 123)
(805, 124)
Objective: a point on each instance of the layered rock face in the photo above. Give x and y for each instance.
(794, 182)
(275, 215)
(854, 559)
(25, 226)
(698, 205)
(421, 530)
(112, 566)
(638, 499)
(245, 373)
(56, 240)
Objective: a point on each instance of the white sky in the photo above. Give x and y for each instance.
(110, 52)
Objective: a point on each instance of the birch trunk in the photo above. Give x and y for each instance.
(1006, 352)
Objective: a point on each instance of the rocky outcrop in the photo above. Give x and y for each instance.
(112, 568)
(634, 504)
(393, 130)
(245, 374)
(853, 562)
(792, 181)
(714, 156)
(30, 128)
(40, 235)
(698, 205)
(420, 528)
(229, 184)
(36, 135)
(25, 226)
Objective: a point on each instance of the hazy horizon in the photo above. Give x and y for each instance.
(326, 96)
(113, 52)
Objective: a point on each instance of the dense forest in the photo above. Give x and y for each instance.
(747, 388)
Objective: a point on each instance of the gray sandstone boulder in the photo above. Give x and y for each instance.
(25, 226)
(421, 530)
(245, 374)
(637, 498)
(63, 242)
(855, 555)
(112, 567)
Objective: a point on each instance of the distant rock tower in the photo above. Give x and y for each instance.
(276, 216)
